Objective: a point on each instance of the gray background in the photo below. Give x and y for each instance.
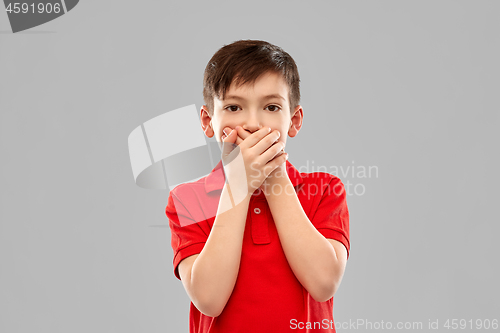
(409, 87)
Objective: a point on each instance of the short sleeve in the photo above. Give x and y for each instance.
(331, 217)
(187, 237)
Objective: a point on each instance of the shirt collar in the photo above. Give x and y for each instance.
(215, 180)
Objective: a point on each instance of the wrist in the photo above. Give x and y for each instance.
(232, 196)
(278, 175)
(278, 186)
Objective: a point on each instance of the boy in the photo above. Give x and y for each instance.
(273, 260)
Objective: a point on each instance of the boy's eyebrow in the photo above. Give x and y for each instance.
(265, 97)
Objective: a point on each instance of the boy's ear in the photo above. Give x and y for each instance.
(296, 121)
(206, 122)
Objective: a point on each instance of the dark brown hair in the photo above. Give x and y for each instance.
(245, 61)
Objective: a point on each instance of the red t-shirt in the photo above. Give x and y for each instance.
(267, 297)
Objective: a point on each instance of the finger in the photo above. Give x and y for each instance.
(239, 139)
(280, 155)
(267, 142)
(274, 163)
(229, 136)
(228, 144)
(274, 151)
(226, 132)
(242, 133)
(256, 137)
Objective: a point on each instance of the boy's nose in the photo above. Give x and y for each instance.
(251, 126)
(252, 122)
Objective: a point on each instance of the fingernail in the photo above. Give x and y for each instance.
(286, 156)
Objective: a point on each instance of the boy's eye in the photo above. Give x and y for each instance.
(232, 108)
(273, 108)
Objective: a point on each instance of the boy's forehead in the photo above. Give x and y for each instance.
(266, 86)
